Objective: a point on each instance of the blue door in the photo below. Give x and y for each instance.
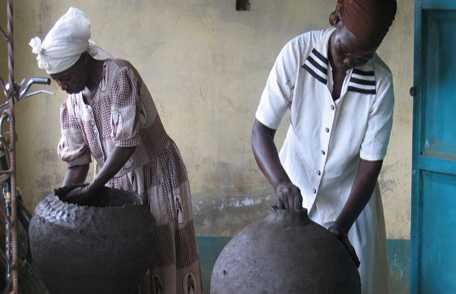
(434, 151)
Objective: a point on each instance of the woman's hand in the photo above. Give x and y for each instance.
(79, 194)
(289, 196)
(268, 160)
(343, 238)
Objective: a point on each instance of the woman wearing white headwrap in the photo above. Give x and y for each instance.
(109, 115)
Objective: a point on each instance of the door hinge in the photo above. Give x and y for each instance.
(412, 91)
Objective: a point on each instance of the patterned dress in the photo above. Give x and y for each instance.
(121, 113)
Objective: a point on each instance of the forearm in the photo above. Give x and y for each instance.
(113, 164)
(362, 189)
(266, 154)
(75, 175)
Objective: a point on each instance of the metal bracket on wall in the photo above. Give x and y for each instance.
(243, 5)
(412, 91)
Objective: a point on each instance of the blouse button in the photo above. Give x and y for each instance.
(333, 107)
(323, 152)
(319, 173)
(327, 130)
(315, 191)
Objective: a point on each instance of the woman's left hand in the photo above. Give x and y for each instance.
(343, 238)
(79, 194)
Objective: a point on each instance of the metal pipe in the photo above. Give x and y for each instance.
(26, 84)
(10, 32)
(14, 248)
(12, 151)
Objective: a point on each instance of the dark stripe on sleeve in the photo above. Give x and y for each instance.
(362, 91)
(317, 65)
(314, 74)
(320, 56)
(370, 73)
(363, 82)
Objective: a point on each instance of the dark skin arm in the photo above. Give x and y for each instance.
(267, 158)
(75, 175)
(362, 189)
(363, 186)
(113, 164)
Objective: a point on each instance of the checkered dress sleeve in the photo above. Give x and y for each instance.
(72, 147)
(125, 121)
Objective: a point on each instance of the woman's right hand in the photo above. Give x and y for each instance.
(289, 196)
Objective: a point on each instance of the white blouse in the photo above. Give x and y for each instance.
(326, 138)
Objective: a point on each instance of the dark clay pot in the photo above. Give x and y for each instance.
(99, 248)
(285, 253)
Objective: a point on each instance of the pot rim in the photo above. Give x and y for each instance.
(56, 211)
(70, 205)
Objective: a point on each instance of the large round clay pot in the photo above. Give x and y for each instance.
(285, 253)
(99, 248)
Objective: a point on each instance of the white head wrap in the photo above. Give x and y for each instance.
(65, 42)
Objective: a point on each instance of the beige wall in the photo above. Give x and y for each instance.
(206, 65)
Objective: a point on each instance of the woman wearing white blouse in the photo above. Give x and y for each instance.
(340, 97)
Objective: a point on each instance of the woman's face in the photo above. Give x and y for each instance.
(346, 50)
(74, 79)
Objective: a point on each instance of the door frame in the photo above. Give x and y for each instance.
(422, 163)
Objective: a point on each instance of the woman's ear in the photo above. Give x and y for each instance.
(334, 18)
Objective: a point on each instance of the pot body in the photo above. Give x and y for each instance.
(99, 249)
(285, 253)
